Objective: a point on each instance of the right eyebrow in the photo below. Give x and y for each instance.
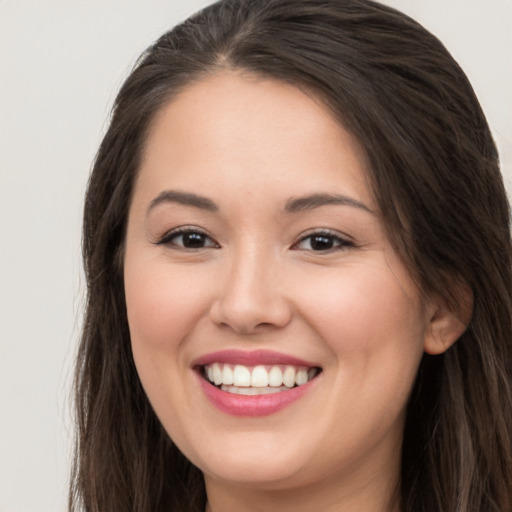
(185, 198)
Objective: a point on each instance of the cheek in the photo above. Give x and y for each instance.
(373, 320)
(368, 305)
(373, 323)
(163, 304)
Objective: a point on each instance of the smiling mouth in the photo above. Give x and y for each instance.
(257, 380)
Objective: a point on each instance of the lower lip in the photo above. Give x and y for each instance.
(252, 405)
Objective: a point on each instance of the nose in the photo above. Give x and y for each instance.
(251, 297)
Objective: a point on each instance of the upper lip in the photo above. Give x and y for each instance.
(251, 358)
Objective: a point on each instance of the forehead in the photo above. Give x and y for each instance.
(248, 131)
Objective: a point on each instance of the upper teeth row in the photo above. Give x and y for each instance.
(258, 376)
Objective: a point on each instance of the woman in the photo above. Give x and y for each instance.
(297, 247)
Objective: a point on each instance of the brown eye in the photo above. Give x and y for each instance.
(188, 239)
(193, 240)
(322, 241)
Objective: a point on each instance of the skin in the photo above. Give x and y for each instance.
(250, 145)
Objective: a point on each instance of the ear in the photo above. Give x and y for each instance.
(446, 323)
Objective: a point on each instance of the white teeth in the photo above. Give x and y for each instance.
(217, 374)
(256, 378)
(289, 377)
(227, 375)
(241, 376)
(301, 377)
(259, 377)
(252, 391)
(275, 377)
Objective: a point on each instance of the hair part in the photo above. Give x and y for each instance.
(434, 172)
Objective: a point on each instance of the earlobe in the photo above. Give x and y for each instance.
(447, 325)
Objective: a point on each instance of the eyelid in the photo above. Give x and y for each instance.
(167, 237)
(343, 240)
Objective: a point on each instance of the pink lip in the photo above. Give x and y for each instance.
(252, 358)
(252, 405)
(259, 405)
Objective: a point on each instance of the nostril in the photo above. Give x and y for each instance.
(250, 298)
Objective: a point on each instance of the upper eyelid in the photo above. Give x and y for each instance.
(181, 230)
(324, 231)
(344, 241)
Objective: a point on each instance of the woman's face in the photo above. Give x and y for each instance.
(254, 250)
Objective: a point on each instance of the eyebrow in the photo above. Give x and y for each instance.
(185, 198)
(312, 201)
(293, 205)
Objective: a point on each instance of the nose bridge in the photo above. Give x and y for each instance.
(251, 295)
(251, 274)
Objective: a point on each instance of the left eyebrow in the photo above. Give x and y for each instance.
(299, 204)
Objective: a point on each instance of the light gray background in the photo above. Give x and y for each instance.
(61, 63)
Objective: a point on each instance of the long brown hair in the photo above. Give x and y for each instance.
(434, 172)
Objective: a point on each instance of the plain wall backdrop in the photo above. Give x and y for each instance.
(61, 63)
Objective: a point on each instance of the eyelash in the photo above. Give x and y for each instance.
(335, 241)
(170, 238)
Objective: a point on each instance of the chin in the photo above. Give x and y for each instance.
(276, 466)
(262, 474)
